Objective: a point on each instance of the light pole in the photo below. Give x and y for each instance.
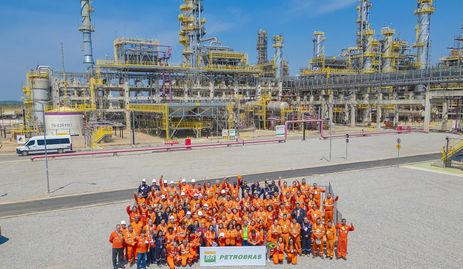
(446, 164)
(45, 144)
(347, 143)
(331, 138)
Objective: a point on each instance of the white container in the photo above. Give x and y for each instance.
(64, 123)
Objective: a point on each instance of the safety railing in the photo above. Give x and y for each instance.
(454, 149)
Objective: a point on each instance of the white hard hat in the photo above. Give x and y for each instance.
(183, 180)
(193, 180)
(188, 213)
(182, 194)
(154, 180)
(200, 213)
(221, 235)
(171, 217)
(143, 180)
(163, 196)
(205, 205)
(171, 182)
(195, 194)
(223, 191)
(123, 222)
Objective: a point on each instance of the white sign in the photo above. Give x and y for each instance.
(225, 132)
(232, 133)
(280, 130)
(232, 256)
(21, 139)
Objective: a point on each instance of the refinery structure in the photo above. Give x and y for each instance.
(381, 82)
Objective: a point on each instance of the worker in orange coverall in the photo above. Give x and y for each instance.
(279, 251)
(117, 241)
(330, 240)
(343, 232)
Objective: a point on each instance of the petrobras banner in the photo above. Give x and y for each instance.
(232, 256)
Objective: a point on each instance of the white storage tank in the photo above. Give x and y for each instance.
(64, 123)
(277, 106)
(40, 90)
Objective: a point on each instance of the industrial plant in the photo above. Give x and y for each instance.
(381, 81)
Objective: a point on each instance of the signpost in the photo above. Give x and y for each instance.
(347, 143)
(398, 146)
(232, 256)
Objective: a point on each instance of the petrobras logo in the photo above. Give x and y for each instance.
(232, 256)
(210, 257)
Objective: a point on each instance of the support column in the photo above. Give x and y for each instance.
(211, 89)
(330, 108)
(396, 115)
(445, 115)
(258, 90)
(427, 111)
(379, 111)
(352, 115)
(236, 89)
(280, 90)
(128, 115)
(379, 115)
(185, 91)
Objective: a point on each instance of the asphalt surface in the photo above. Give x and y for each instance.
(28, 207)
(404, 219)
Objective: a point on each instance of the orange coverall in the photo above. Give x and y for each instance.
(330, 240)
(291, 253)
(343, 231)
(318, 231)
(130, 243)
(278, 253)
(172, 256)
(295, 232)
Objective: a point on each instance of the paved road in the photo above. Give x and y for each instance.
(21, 208)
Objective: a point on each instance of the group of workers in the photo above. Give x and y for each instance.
(170, 221)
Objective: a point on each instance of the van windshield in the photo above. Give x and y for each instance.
(30, 143)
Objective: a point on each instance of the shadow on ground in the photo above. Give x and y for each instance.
(3, 240)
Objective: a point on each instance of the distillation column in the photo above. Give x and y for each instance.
(424, 11)
(319, 44)
(192, 30)
(278, 58)
(262, 47)
(388, 50)
(363, 22)
(86, 28)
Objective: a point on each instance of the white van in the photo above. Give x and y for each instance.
(36, 144)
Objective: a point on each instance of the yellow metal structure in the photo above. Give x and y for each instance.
(453, 150)
(154, 108)
(100, 133)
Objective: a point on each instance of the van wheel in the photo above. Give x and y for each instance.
(24, 153)
(60, 151)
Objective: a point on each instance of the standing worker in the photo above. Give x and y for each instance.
(343, 231)
(328, 207)
(306, 237)
(117, 240)
(330, 240)
(143, 189)
(143, 243)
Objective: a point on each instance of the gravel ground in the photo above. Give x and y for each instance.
(96, 174)
(404, 218)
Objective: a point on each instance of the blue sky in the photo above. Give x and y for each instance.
(32, 30)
